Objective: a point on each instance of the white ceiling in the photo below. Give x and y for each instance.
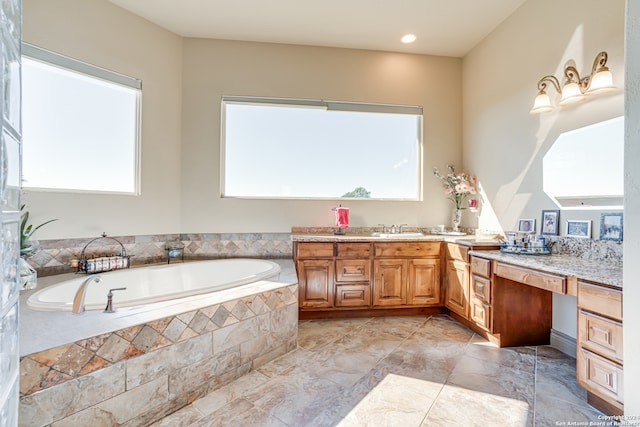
(443, 27)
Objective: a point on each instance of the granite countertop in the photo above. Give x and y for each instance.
(567, 265)
(466, 240)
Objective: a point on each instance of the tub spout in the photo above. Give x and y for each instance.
(78, 301)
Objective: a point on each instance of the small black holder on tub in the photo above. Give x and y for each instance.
(103, 263)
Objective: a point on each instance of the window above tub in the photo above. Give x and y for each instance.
(81, 125)
(313, 149)
(583, 169)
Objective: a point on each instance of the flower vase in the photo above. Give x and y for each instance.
(28, 275)
(457, 218)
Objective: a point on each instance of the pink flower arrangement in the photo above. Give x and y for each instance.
(457, 186)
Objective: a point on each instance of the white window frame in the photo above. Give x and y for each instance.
(76, 66)
(326, 105)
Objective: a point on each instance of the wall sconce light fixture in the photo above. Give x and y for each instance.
(575, 89)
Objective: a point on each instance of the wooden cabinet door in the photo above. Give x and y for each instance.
(481, 288)
(353, 270)
(424, 282)
(480, 313)
(315, 283)
(389, 282)
(353, 295)
(457, 288)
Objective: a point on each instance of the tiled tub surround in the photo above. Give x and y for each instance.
(154, 360)
(55, 256)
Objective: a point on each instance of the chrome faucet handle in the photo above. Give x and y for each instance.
(109, 308)
(78, 300)
(384, 228)
(401, 227)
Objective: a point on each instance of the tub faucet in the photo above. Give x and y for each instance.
(78, 301)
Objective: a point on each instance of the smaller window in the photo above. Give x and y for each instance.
(80, 125)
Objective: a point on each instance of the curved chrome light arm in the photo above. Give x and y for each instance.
(600, 63)
(542, 84)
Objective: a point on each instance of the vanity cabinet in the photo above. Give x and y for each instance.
(353, 275)
(333, 274)
(501, 298)
(406, 274)
(337, 279)
(480, 309)
(468, 284)
(457, 280)
(599, 363)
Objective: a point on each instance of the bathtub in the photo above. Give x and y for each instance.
(156, 283)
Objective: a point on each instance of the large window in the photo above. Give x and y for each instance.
(281, 148)
(80, 125)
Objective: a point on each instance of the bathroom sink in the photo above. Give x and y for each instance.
(397, 235)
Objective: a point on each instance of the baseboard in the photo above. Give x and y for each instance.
(563, 342)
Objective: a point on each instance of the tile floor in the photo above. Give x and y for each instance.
(398, 371)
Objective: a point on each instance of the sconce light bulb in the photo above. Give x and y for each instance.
(601, 82)
(571, 93)
(542, 104)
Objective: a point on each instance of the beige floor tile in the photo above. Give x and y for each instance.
(395, 401)
(296, 396)
(239, 413)
(521, 358)
(298, 356)
(458, 406)
(313, 335)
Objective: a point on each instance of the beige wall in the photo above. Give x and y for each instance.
(180, 171)
(213, 68)
(102, 34)
(502, 143)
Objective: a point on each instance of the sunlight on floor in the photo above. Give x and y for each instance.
(401, 400)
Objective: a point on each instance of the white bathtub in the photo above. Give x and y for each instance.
(155, 283)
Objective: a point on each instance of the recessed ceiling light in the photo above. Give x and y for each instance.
(408, 38)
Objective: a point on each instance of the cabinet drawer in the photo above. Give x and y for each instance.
(457, 252)
(599, 375)
(407, 249)
(600, 335)
(480, 266)
(481, 288)
(601, 300)
(353, 295)
(353, 270)
(314, 250)
(480, 313)
(353, 250)
(546, 281)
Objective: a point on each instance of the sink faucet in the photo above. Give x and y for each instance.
(78, 301)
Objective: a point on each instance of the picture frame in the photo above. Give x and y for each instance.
(579, 228)
(527, 225)
(550, 222)
(611, 225)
